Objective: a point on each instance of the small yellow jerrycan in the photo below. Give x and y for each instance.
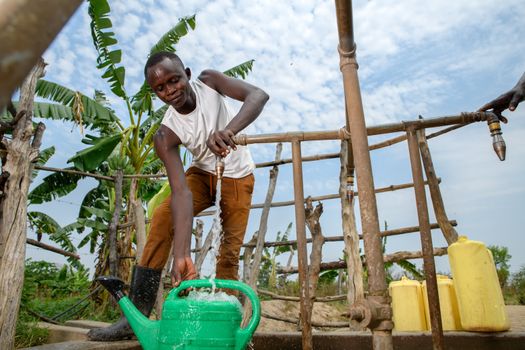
(448, 304)
(407, 305)
(480, 301)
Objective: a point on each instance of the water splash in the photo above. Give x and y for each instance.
(216, 232)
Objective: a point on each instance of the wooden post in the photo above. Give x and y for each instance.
(350, 234)
(16, 170)
(140, 227)
(199, 227)
(247, 257)
(112, 234)
(261, 233)
(435, 194)
(263, 225)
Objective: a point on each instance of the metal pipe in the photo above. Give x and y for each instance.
(463, 118)
(426, 240)
(382, 331)
(300, 226)
(26, 31)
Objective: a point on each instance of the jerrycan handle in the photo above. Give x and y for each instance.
(243, 335)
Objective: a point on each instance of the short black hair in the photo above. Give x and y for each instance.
(158, 57)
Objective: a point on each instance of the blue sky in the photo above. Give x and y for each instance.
(430, 58)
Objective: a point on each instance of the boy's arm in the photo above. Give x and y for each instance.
(167, 148)
(254, 100)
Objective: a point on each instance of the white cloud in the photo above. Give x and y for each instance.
(431, 58)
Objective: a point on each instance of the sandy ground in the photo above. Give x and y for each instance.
(326, 312)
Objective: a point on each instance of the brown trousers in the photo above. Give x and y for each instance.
(236, 198)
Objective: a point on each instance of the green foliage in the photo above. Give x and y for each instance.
(54, 186)
(501, 258)
(241, 70)
(518, 285)
(27, 333)
(90, 158)
(103, 39)
(73, 106)
(42, 159)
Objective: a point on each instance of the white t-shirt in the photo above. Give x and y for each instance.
(210, 114)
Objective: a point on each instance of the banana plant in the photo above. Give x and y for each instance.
(126, 136)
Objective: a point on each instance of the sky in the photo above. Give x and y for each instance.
(431, 58)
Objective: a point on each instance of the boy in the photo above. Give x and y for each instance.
(199, 119)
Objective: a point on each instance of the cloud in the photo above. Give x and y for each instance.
(431, 58)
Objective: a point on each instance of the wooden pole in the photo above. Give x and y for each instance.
(426, 241)
(316, 198)
(52, 249)
(263, 225)
(16, 173)
(261, 233)
(300, 225)
(435, 194)
(350, 234)
(112, 234)
(395, 232)
(27, 29)
(341, 264)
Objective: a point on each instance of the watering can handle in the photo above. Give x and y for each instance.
(244, 334)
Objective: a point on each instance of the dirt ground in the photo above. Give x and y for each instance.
(326, 312)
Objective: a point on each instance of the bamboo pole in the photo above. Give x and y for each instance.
(395, 232)
(435, 194)
(326, 299)
(296, 321)
(112, 232)
(463, 118)
(52, 249)
(395, 257)
(263, 224)
(27, 29)
(390, 188)
(261, 233)
(307, 340)
(426, 241)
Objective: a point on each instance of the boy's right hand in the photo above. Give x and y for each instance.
(182, 269)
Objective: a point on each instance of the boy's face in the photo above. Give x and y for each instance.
(170, 82)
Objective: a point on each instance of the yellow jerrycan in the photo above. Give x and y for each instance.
(480, 301)
(407, 305)
(448, 304)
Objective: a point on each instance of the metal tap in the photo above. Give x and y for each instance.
(497, 139)
(219, 167)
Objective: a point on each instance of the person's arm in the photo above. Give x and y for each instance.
(253, 99)
(167, 148)
(509, 99)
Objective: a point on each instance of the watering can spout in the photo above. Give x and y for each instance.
(145, 329)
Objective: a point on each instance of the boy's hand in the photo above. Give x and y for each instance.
(182, 269)
(220, 141)
(509, 99)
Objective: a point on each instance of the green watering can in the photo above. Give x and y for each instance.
(191, 324)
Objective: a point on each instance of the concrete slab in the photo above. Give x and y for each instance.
(86, 324)
(90, 345)
(59, 333)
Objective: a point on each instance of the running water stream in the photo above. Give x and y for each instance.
(216, 232)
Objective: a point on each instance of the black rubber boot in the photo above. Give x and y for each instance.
(143, 293)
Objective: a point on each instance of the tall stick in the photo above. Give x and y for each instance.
(300, 224)
(426, 241)
(350, 234)
(261, 233)
(112, 234)
(433, 185)
(16, 171)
